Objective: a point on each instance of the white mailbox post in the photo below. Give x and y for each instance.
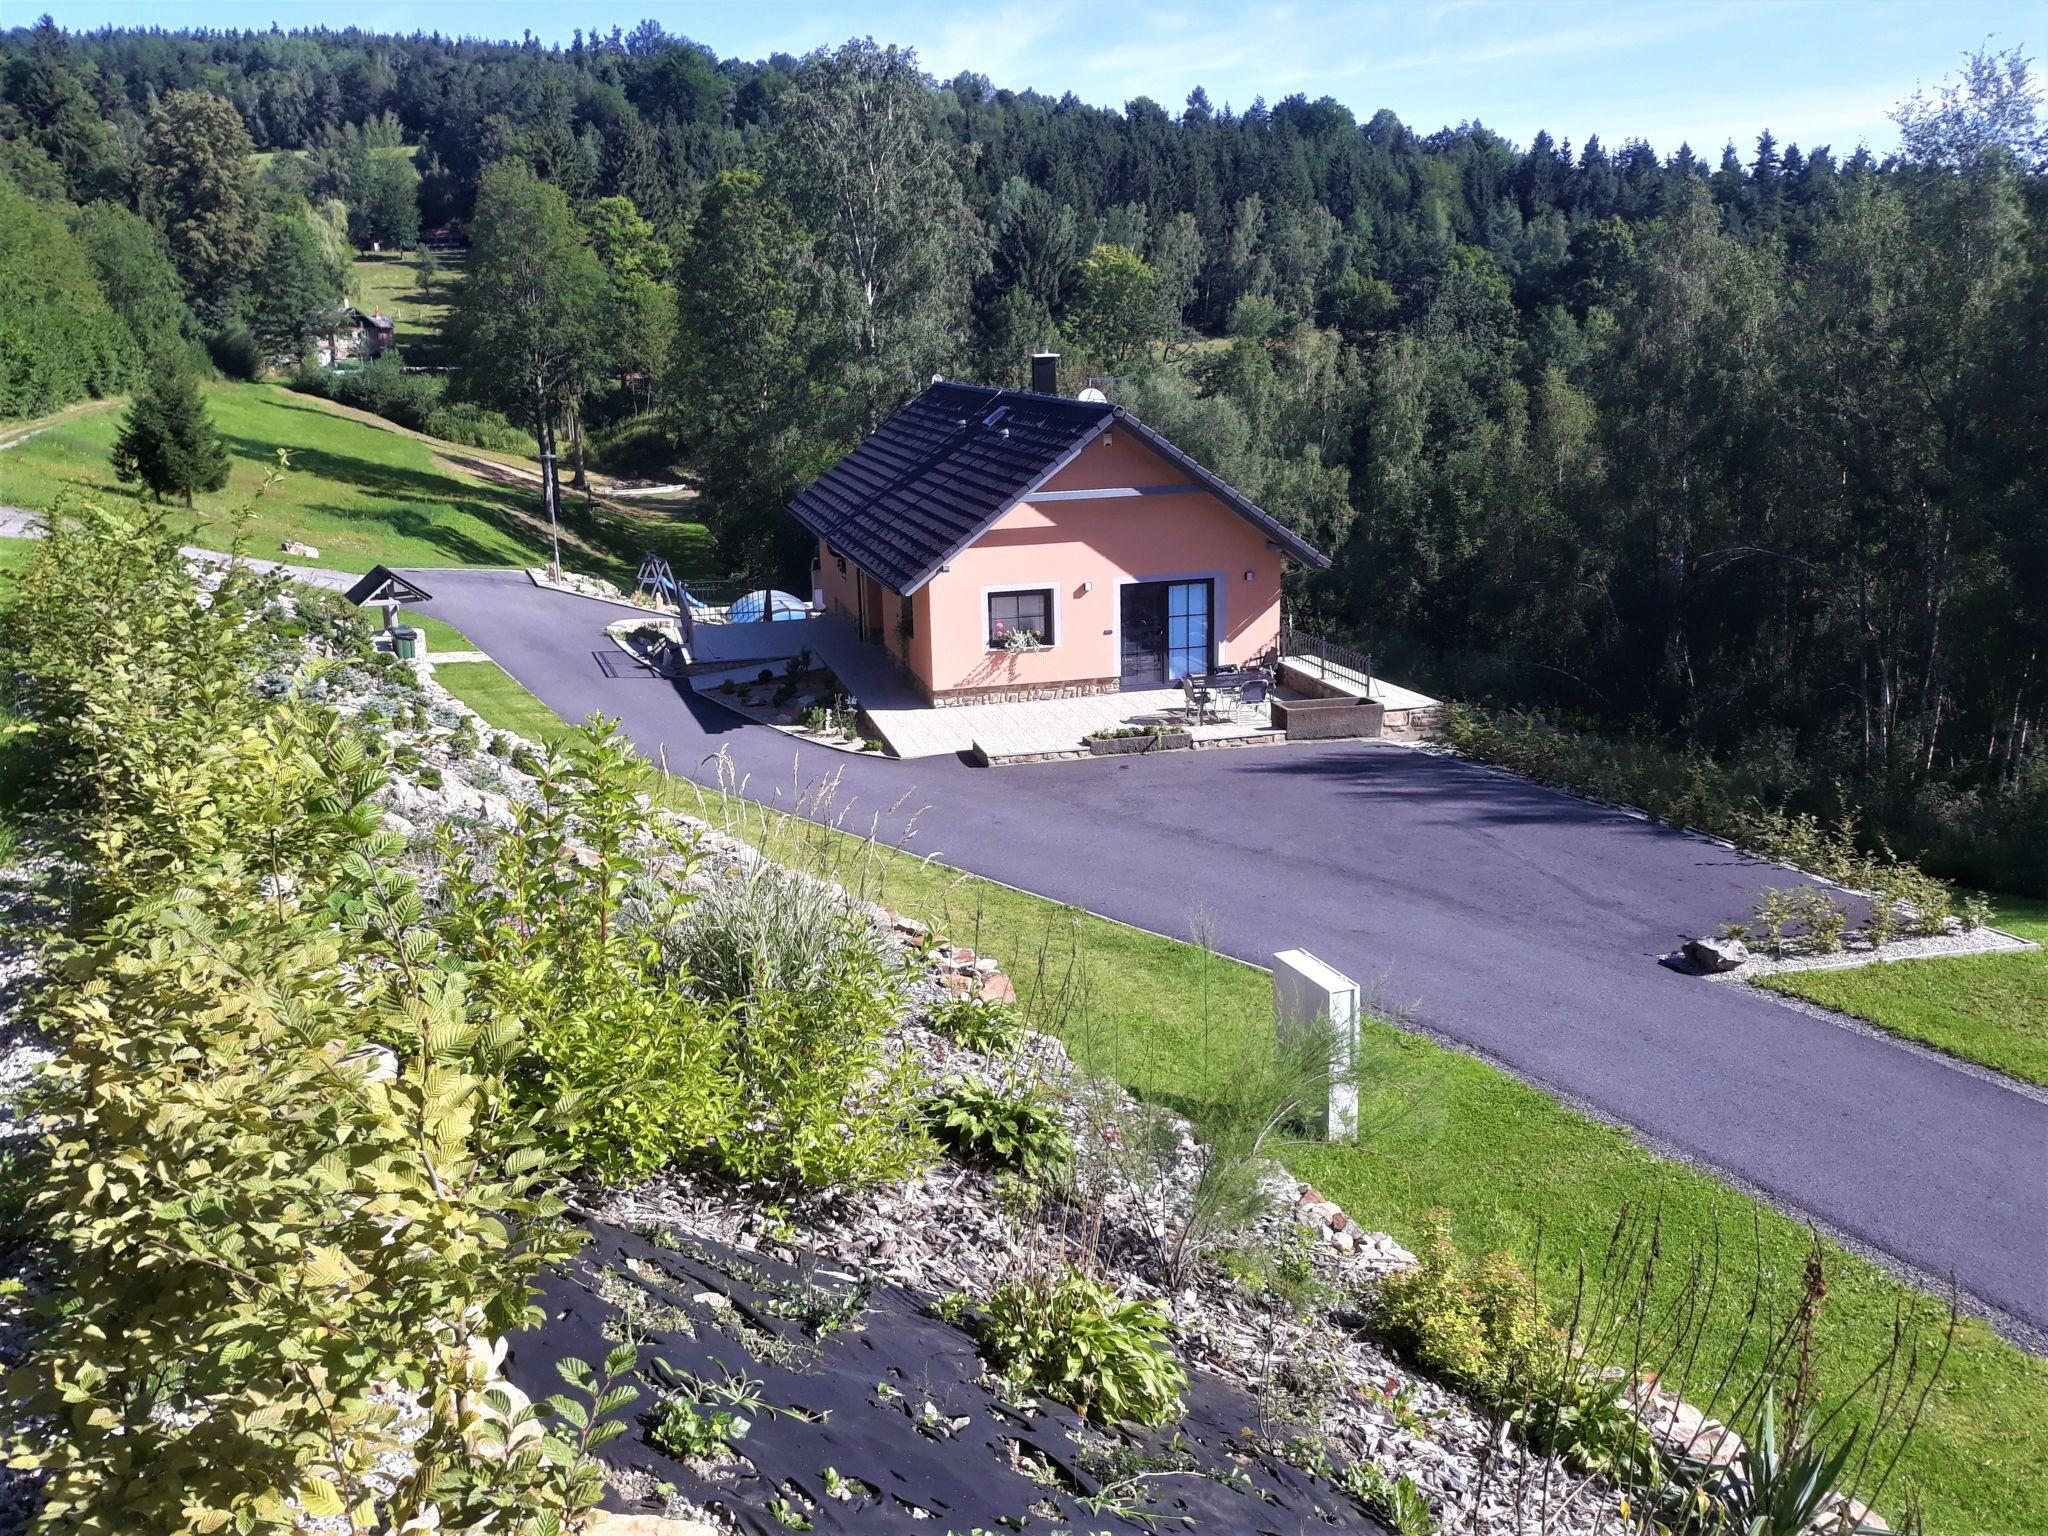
(1306, 992)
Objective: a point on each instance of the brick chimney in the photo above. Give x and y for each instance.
(1045, 373)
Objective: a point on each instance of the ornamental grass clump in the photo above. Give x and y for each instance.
(1074, 1339)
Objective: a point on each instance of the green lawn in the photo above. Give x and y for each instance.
(1440, 1129)
(1989, 1009)
(2022, 916)
(495, 694)
(439, 634)
(358, 491)
(390, 284)
(360, 495)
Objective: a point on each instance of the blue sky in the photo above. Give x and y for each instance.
(1812, 71)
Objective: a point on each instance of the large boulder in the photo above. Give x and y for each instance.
(1720, 954)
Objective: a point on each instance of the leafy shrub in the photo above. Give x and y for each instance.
(822, 1103)
(278, 1182)
(476, 426)
(1579, 1414)
(380, 386)
(1820, 920)
(979, 1024)
(235, 351)
(1825, 919)
(631, 1070)
(770, 1064)
(1073, 1338)
(1005, 1131)
(1481, 1325)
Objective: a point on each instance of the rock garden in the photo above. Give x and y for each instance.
(801, 697)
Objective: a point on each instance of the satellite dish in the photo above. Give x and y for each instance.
(1096, 395)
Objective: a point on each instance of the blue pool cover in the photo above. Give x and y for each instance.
(768, 605)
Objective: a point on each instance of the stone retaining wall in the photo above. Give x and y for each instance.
(1028, 693)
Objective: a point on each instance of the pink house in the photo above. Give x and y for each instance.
(1011, 544)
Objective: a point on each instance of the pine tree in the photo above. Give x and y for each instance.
(168, 442)
(297, 290)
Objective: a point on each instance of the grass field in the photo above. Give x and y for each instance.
(1516, 1169)
(359, 491)
(1990, 1009)
(391, 284)
(495, 694)
(438, 634)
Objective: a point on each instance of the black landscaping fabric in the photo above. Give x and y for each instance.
(922, 1471)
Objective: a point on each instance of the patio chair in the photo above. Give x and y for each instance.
(1197, 695)
(1256, 690)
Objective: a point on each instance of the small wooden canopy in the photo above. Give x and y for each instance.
(384, 585)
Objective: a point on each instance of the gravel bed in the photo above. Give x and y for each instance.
(1939, 946)
(29, 908)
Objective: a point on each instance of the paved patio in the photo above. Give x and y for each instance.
(1037, 728)
(1056, 727)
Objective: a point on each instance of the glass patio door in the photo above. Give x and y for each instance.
(1187, 628)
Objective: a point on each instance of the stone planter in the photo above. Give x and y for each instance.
(1124, 746)
(1343, 717)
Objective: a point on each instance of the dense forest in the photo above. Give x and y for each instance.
(1742, 452)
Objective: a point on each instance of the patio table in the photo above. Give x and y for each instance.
(1229, 684)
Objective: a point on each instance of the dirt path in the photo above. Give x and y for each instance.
(14, 433)
(512, 470)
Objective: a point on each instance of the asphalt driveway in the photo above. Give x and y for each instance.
(1515, 920)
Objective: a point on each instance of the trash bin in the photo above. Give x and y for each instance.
(405, 641)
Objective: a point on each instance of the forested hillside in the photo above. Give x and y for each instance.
(1739, 450)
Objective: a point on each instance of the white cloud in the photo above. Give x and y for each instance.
(1001, 42)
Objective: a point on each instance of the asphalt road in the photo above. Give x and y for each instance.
(1521, 922)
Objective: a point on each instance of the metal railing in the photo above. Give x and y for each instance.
(1326, 658)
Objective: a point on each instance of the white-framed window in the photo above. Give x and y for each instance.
(1020, 618)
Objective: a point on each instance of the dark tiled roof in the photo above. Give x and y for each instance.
(935, 475)
(383, 584)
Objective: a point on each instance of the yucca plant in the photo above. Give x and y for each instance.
(1775, 1487)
